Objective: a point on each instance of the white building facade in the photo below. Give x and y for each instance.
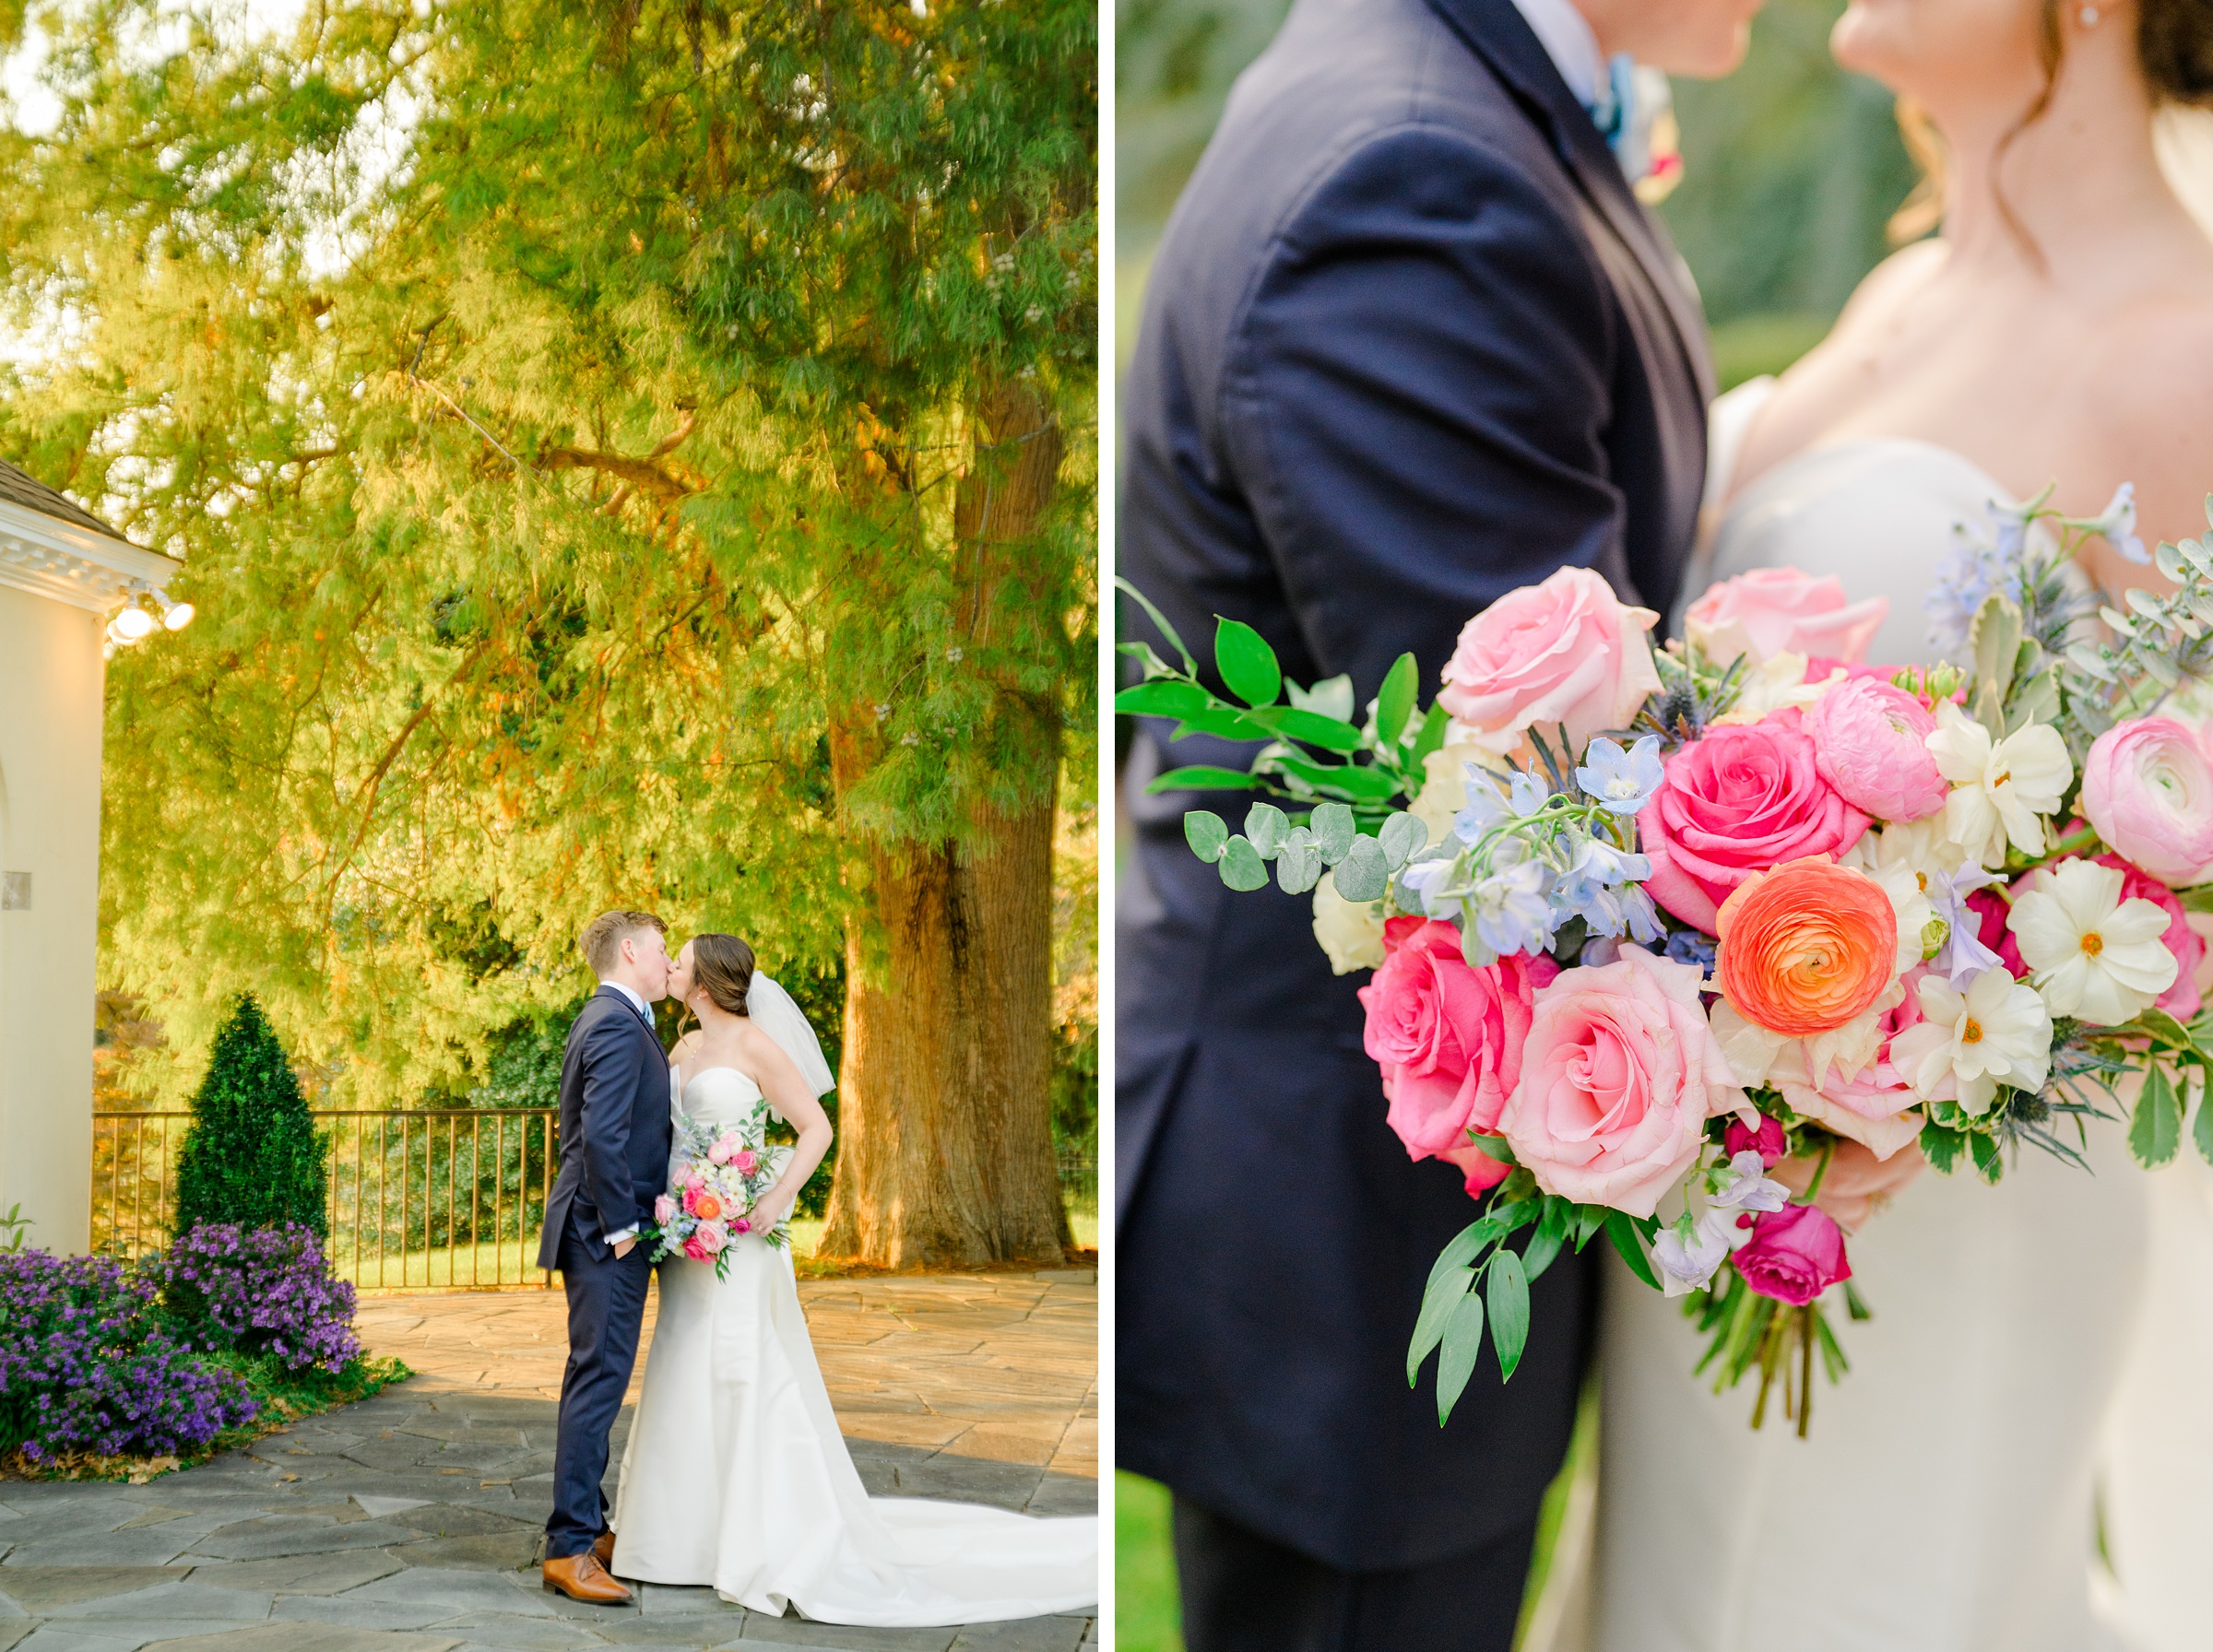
(62, 574)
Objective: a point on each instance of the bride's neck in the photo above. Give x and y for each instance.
(2070, 180)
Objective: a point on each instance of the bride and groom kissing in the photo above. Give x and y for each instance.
(1411, 341)
(735, 1476)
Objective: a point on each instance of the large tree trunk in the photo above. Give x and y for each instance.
(945, 1151)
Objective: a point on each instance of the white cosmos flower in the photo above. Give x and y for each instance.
(1997, 1029)
(2000, 788)
(2095, 955)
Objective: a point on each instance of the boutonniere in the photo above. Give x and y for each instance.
(1650, 143)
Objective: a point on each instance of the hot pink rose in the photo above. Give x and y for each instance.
(1566, 650)
(1766, 1141)
(2148, 788)
(1449, 1040)
(745, 1161)
(1619, 1075)
(1870, 744)
(1779, 610)
(1872, 1106)
(692, 1193)
(695, 1248)
(1744, 798)
(743, 1225)
(1794, 1254)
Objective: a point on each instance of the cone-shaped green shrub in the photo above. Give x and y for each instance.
(251, 1154)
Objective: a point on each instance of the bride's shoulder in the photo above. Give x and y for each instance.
(1893, 283)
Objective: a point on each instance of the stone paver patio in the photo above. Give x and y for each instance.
(410, 1522)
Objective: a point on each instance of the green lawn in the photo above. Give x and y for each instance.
(1146, 1616)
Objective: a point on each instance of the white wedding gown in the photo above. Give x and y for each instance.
(2011, 1383)
(735, 1475)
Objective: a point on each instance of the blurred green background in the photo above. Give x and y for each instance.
(1792, 171)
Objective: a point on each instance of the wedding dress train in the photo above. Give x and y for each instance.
(735, 1475)
(1948, 1498)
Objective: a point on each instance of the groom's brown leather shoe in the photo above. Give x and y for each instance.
(582, 1577)
(603, 1551)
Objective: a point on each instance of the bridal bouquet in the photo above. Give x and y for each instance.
(715, 1179)
(1645, 922)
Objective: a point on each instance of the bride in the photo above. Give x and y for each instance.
(2019, 1406)
(735, 1475)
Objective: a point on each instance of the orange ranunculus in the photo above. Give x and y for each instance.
(708, 1208)
(1807, 947)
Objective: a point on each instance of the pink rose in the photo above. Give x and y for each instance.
(692, 1190)
(712, 1236)
(1794, 1254)
(1766, 1141)
(745, 1161)
(1779, 610)
(1744, 798)
(1449, 1040)
(1870, 744)
(664, 1209)
(1566, 650)
(2147, 788)
(1619, 1075)
(1872, 1106)
(741, 1226)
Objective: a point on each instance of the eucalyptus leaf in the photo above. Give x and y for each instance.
(2117, 622)
(1394, 705)
(2089, 660)
(2157, 1130)
(2169, 561)
(1403, 838)
(1507, 1288)
(1247, 663)
(1442, 1297)
(1298, 862)
(1334, 828)
(1456, 1360)
(1363, 876)
(1241, 865)
(1267, 827)
(1206, 833)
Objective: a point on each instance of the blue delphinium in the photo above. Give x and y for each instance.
(1511, 911)
(1487, 805)
(1688, 946)
(1972, 571)
(1622, 782)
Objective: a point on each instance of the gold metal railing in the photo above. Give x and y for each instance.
(417, 1201)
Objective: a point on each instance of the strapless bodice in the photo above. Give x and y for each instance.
(722, 1096)
(1880, 514)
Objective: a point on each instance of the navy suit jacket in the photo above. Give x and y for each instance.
(1409, 342)
(615, 1124)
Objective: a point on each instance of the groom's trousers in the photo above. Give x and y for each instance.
(1243, 1592)
(607, 1310)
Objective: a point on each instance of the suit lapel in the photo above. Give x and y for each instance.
(1495, 32)
(621, 999)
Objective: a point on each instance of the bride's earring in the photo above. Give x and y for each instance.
(2089, 15)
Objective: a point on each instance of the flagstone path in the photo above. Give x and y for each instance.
(410, 1522)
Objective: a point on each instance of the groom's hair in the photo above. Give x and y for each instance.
(603, 937)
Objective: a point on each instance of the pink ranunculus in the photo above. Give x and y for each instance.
(1870, 744)
(664, 1209)
(1794, 1254)
(1619, 1075)
(1743, 798)
(2147, 788)
(1874, 1105)
(718, 1153)
(1449, 1040)
(1766, 1141)
(745, 1161)
(1566, 650)
(2184, 999)
(1779, 610)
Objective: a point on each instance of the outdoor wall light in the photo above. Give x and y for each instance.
(146, 608)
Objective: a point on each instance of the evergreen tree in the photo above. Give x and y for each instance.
(251, 1154)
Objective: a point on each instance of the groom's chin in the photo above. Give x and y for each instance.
(1714, 59)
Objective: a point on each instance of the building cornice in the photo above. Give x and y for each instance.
(70, 563)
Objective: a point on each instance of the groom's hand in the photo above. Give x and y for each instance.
(623, 1248)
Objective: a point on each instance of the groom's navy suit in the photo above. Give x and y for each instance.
(1410, 341)
(614, 1160)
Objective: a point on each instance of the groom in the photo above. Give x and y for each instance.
(614, 1160)
(1410, 341)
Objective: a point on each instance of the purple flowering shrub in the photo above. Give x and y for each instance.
(260, 1291)
(88, 1364)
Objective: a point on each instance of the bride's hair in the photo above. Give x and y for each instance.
(2174, 51)
(723, 965)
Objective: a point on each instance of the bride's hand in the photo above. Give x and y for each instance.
(1858, 1183)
